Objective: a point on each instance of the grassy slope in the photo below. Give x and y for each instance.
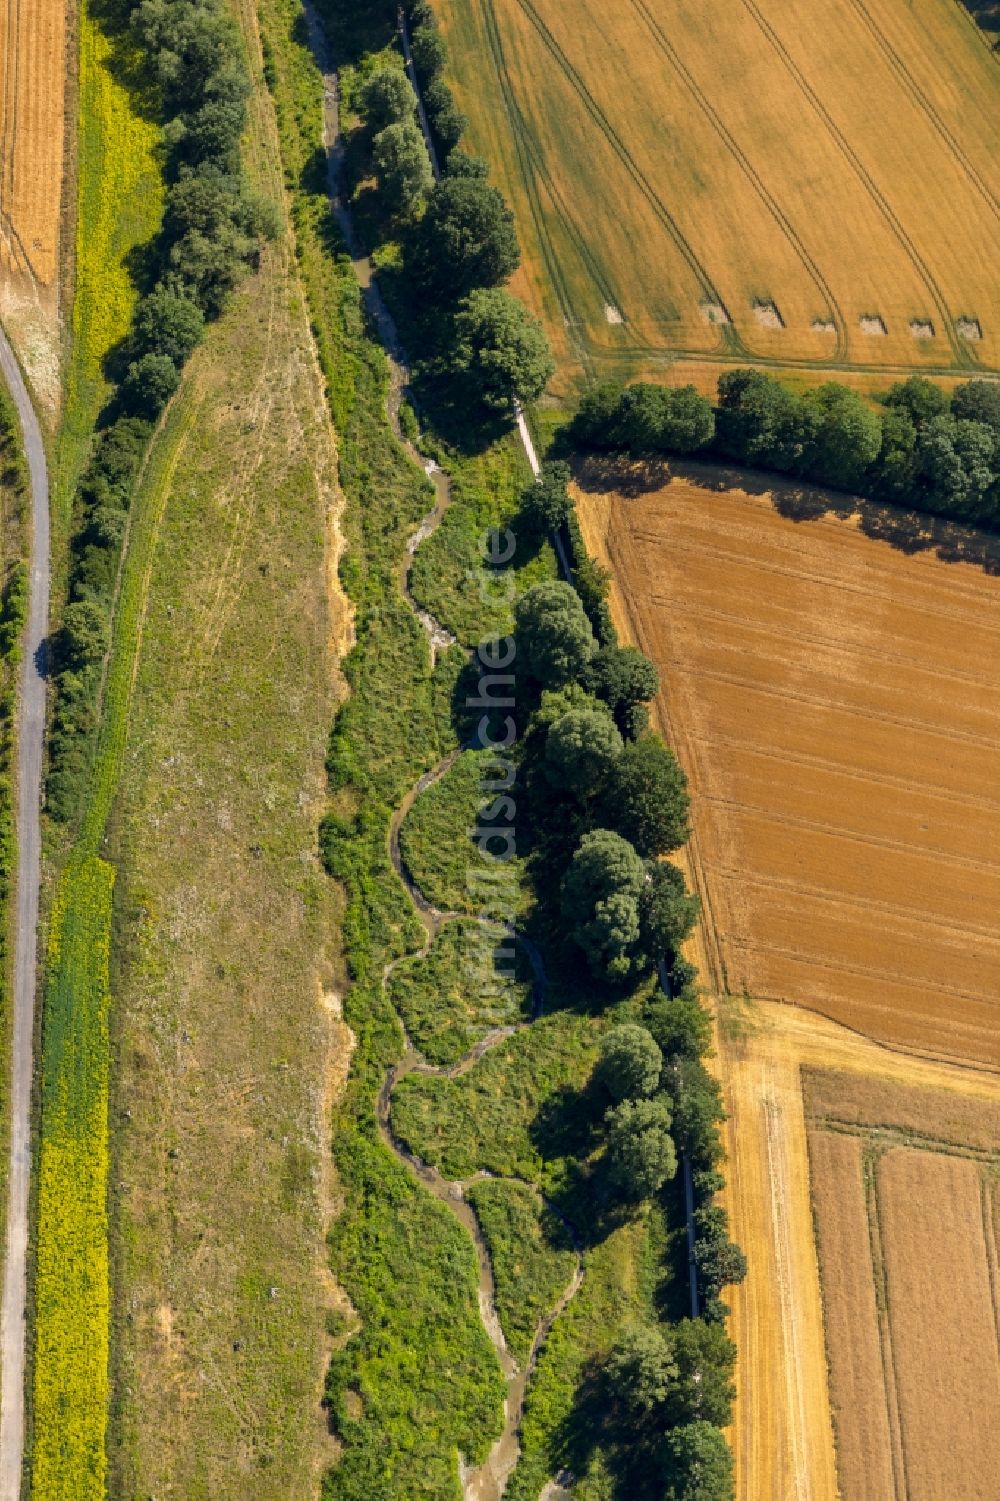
(225, 926)
(225, 935)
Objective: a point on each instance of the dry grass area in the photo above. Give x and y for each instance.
(828, 684)
(801, 1349)
(228, 1038)
(32, 91)
(907, 1255)
(690, 163)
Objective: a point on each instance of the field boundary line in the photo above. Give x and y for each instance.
(749, 171)
(990, 1240)
(870, 1159)
(881, 1136)
(962, 357)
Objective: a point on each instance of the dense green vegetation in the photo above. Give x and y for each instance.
(443, 1013)
(416, 1380)
(917, 447)
(531, 1253)
(445, 247)
(438, 840)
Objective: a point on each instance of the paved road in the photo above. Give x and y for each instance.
(31, 729)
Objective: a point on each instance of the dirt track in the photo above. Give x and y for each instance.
(32, 92)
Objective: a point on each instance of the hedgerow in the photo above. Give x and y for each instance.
(187, 60)
(918, 445)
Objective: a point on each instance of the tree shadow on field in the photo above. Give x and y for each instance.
(909, 532)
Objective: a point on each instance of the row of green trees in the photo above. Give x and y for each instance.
(917, 446)
(604, 801)
(196, 77)
(478, 346)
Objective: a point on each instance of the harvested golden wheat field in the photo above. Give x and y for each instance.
(812, 1106)
(715, 179)
(32, 93)
(833, 698)
(907, 1254)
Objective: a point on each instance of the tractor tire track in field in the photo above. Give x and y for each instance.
(845, 967)
(751, 174)
(729, 555)
(487, 1483)
(823, 763)
(926, 104)
(890, 1386)
(531, 163)
(962, 356)
(875, 841)
(30, 734)
(700, 273)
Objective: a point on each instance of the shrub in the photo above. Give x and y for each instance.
(149, 384)
(388, 99)
(641, 1156)
(554, 637)
(600, 903)
(500, 349)
(402, 166)
(545, 504)
(167, 322)
(466, 240)
(581, 749)
(646, 798)
(630, 1063)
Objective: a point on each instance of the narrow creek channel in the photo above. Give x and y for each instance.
(488, 1481)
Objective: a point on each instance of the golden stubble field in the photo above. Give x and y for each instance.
(833, 697)
(716, 179)
(827, 684)
(905, 1198)
(32, 95)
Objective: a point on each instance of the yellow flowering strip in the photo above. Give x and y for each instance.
(70, 1379)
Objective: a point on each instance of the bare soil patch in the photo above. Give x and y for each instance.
(714, 312)
(871, 323)
(832, 698)
(32, 85)
(970, 328)
(767, 315)
(921, 328)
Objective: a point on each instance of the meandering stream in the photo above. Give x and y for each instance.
(487, 1481)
